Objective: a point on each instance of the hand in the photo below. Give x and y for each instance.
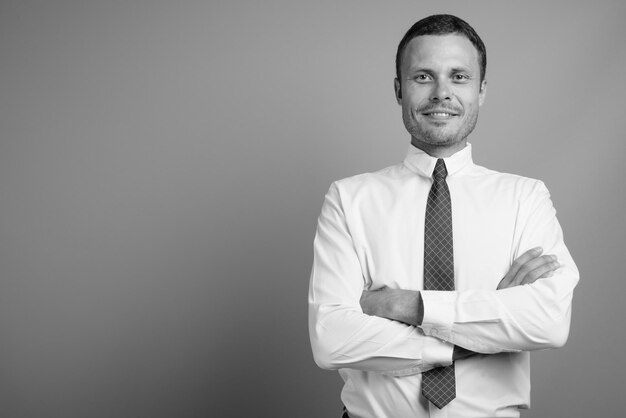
(528, 268)
(396, 304)
(371, 301)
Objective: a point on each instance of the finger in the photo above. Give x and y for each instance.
(522, 260)
(532, 265)
(528, 272)
(550, 268)
(544, 266)
(544, 271)
(540, 271)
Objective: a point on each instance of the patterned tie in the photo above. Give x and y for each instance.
(438, 384)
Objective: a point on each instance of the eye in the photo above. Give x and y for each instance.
(421, 78)
(460, 77)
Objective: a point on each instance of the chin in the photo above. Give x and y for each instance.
(442, 141)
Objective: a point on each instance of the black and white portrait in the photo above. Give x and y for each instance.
(166, 167)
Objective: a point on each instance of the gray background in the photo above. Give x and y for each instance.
(162, 166)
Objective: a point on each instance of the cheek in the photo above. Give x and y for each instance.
(411, 103)
(415, 94)
(469, 99)
(407, 106)
(473, 106)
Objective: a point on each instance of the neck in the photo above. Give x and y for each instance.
(439, 151)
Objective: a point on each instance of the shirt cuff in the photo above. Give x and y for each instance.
(439, 308)
(437, 353)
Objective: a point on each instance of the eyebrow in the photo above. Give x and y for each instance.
(461, 70)
(458, 69)
(412, 71)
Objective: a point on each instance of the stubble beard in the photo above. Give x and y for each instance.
(439, 137)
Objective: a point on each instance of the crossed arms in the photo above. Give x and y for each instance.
(401, 332)
(406, 306)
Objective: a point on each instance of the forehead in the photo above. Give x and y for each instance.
(440, 51)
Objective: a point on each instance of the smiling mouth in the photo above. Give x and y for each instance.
(440, 115)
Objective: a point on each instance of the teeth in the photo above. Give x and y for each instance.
(441, 114)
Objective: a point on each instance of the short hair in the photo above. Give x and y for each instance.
(443, 25)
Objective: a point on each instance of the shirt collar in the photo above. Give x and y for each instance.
(422, 163)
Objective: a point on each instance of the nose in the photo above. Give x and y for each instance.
(441, 92)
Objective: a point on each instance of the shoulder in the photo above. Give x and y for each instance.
(372, 182)
(501, 181)
(371, 179)
(366, 188)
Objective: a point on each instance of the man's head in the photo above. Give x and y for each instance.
(443, 25)
(440, 66)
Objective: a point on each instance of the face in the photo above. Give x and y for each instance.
(440, 92)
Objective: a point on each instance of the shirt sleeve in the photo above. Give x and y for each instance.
(342, 336)
(522, 318)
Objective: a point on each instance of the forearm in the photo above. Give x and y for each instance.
(343, 337)
(396, 304)
(523, 318)
(403, 306)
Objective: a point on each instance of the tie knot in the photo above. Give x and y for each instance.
(440, 171)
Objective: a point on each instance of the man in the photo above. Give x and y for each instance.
(433, 279)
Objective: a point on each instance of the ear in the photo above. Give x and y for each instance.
(482, 93)
(398, 90)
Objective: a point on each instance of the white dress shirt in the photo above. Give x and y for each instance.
(370, 234)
